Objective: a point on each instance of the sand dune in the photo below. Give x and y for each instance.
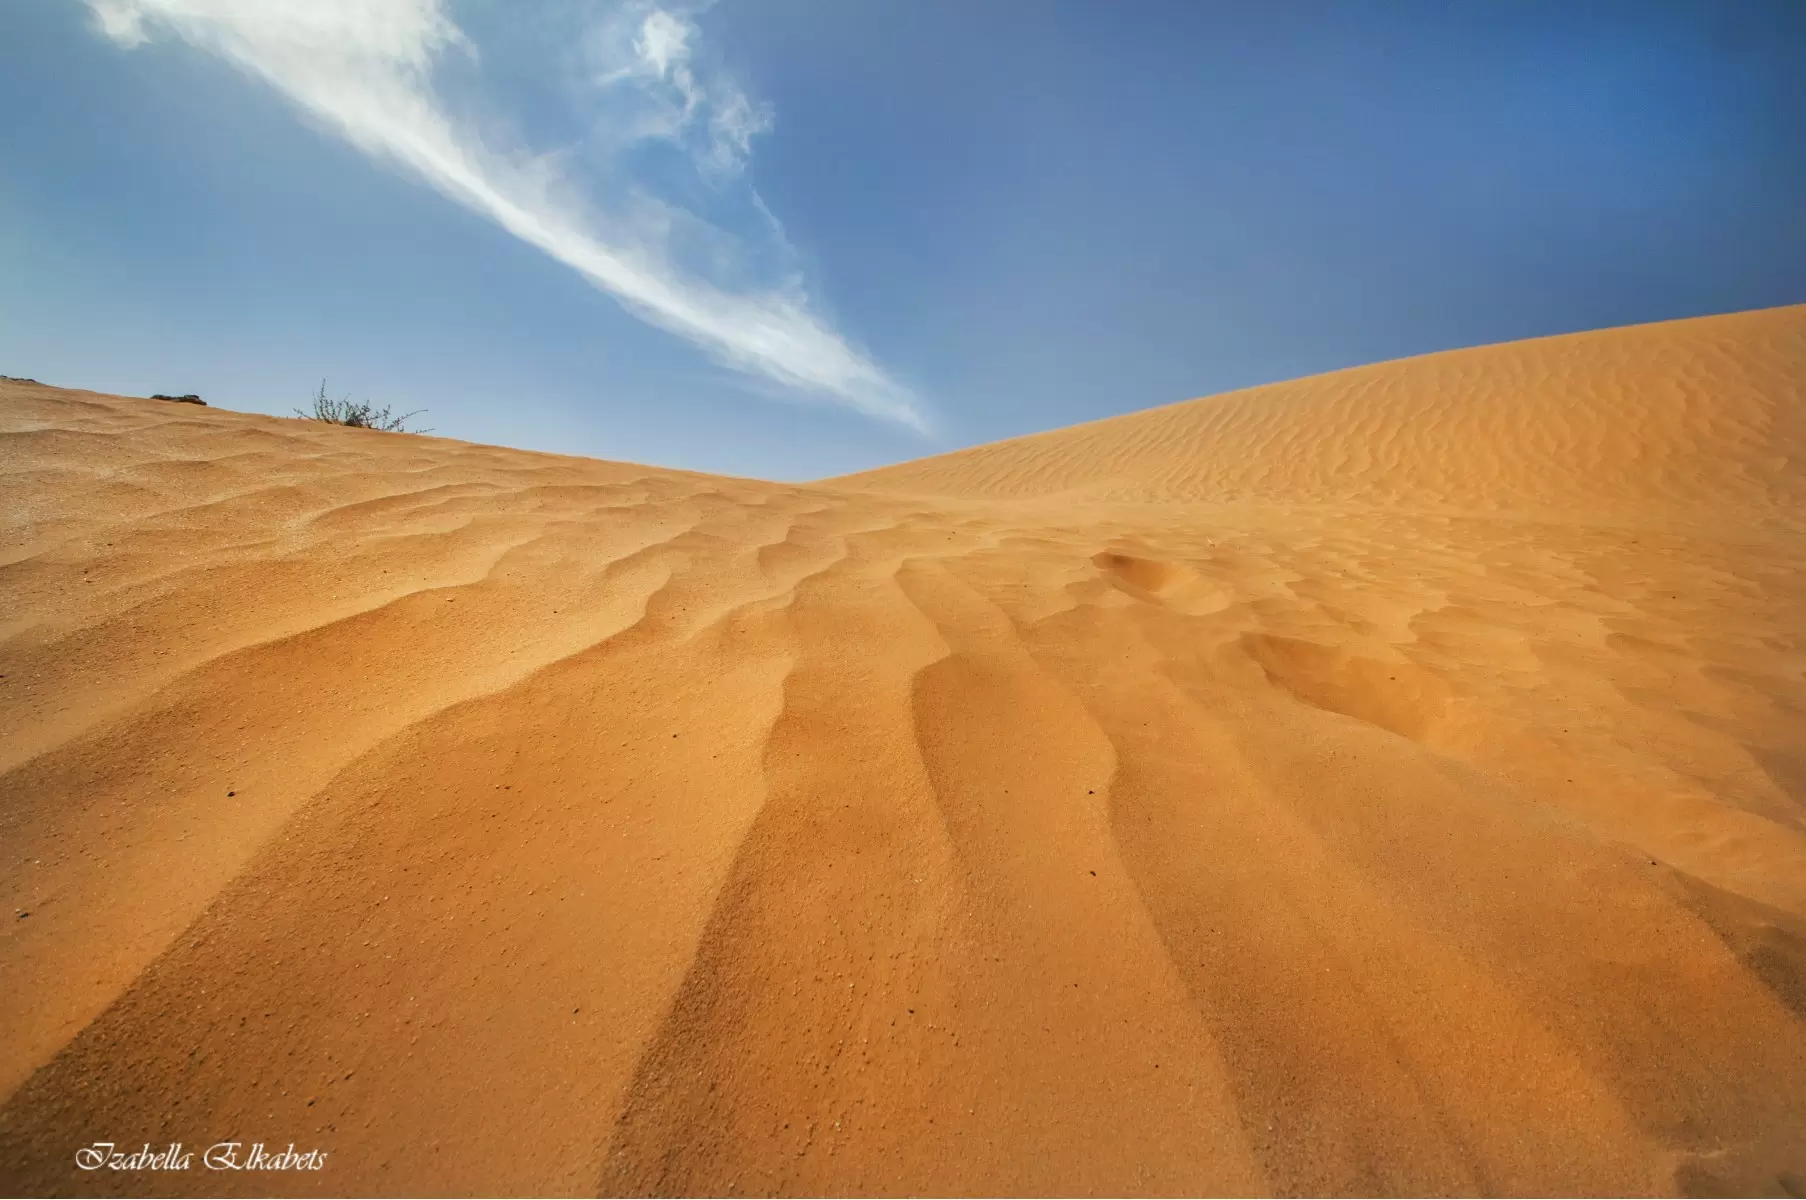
(1392, 781)
(1671, 417)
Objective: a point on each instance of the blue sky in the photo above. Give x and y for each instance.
(789, 238)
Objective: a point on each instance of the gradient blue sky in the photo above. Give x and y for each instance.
(908, 226)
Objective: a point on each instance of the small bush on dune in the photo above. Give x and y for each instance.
(358, 414)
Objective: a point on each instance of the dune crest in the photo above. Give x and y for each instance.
(1391, 781)
(1651, 419)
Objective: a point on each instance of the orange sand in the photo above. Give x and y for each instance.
(1392, 781)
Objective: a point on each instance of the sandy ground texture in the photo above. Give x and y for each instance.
(1391, 781)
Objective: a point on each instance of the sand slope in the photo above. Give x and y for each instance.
(1676, 416)
(1393, 781)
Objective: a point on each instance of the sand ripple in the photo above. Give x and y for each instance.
(1393, 781)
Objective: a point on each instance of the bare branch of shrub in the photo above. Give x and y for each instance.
(358, 414)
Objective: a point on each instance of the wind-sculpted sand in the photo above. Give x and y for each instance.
(1387, 782)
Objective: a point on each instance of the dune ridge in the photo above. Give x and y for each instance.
(1391, 781)
(1713, 406)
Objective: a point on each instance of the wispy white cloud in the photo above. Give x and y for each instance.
(365, 69)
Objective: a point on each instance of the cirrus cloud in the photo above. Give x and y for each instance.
(366, 70)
